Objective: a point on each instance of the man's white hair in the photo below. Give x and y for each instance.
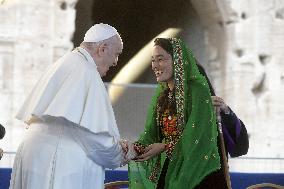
(93, 45)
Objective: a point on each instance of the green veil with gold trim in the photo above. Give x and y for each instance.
(195, 155)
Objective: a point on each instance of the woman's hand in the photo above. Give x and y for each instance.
(220, 105)
(151, 151)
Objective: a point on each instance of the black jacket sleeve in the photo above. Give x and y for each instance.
(241, 140)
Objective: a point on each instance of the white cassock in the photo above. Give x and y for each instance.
(72, 135)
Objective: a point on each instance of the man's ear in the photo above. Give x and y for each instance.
(102, 49)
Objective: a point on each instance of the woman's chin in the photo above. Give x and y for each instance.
(163, 79)
(160, 80)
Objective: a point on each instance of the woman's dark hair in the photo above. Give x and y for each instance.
(163, 99)
(166, 103)
(165, 44)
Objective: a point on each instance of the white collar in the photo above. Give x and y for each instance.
(86, 55)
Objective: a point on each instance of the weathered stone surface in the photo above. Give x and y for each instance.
(32, 35)
(247, 68)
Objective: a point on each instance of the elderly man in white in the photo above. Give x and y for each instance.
(72, 134)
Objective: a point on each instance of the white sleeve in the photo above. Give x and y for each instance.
(102, 148)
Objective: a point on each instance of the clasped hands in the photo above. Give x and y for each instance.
(149, 152)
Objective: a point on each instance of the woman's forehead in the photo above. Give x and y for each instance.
(159, 51)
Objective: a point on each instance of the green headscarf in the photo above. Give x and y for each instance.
(195, 155)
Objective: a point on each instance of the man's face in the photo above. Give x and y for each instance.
(162, 64)
(110, 56)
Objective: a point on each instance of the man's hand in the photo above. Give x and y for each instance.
(151, 151)
(220, 105)
(124, 145)
(129, 151)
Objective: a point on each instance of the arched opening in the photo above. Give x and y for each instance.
(138, 22)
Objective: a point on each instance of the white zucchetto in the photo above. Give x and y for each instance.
(100, 32)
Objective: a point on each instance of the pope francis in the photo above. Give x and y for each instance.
(72, 134)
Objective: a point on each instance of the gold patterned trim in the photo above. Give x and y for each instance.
(179, 81)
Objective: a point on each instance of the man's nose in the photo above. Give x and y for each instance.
(115, 62)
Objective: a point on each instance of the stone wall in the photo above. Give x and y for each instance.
(32, 35)
(245, 49)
